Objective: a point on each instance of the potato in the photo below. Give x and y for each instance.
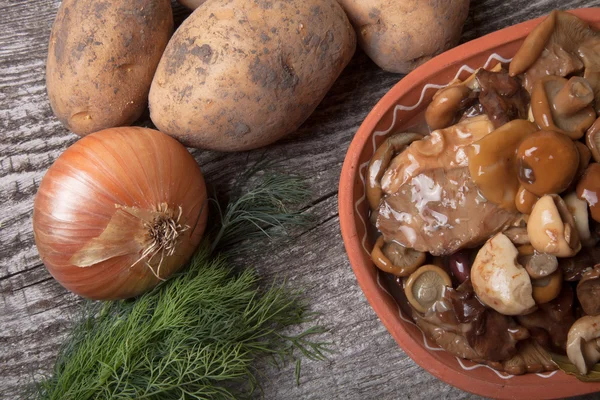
(401, 35)
(240, 74)
(191, 4)
(101, 60)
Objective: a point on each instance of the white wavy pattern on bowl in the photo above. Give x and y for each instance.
(464, 364)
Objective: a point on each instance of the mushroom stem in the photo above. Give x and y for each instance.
(574, 96)
(582, 343)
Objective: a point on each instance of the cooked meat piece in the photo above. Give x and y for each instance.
(440, 211)
(502, 97)
(430, 203)
(443, 148)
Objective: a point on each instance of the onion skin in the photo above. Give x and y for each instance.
(82, 190)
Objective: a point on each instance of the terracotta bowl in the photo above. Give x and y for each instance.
(394, 111)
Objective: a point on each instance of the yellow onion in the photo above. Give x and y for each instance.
(119, 211)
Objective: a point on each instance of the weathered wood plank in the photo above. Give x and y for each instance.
(36, 312)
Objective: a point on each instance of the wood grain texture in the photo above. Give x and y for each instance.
(36, 312)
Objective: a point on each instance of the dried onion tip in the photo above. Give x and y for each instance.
(119, 211)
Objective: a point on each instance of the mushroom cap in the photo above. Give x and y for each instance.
(585, 156)
(582, 343)
(547, 162)
(525, 200)
(492, 162)
(548, 288)
(579, 210)
(518, 235)
(588, 291)
(533, 46)
(551, 228)
(539, 265)
(592, 139)
(554, 107)
(499, 280)
(449, 100)
(525, 250)
(588, 189)
(446, 103)
(425, 286)
(396, 259)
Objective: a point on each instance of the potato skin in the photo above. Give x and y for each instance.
(241, 74)
(401, 35)
(101, 59)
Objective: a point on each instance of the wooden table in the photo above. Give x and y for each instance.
(36, 312)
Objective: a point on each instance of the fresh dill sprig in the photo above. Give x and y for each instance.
(258, 211)
(193, 337)
(197, 335)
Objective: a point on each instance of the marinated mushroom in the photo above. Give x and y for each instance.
(548, 288)
(592, 139)
(562, 105)
(453, 341)
(499, 280)
(551, 228)
(518, 235)
(494, 93)
(588, 291)
(381, 160)
(547, 162)
(492, 162)
(553, 318)
(446, 103)
(425, 286)
(588, 189)
(585, 156)
(583, 345)
(501, 96)
(579, 210)
(532, 357)
(573, 268)
(561, 45)
(395, 259)
(525, 200)
(538, 265)
(525, 250)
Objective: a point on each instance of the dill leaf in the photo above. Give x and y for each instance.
(265, 210)
(196, 336)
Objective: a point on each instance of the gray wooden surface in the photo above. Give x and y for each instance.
(36, 312)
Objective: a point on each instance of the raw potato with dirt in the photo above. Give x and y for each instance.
(401, 35)
(240, 74)
(101, 59)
